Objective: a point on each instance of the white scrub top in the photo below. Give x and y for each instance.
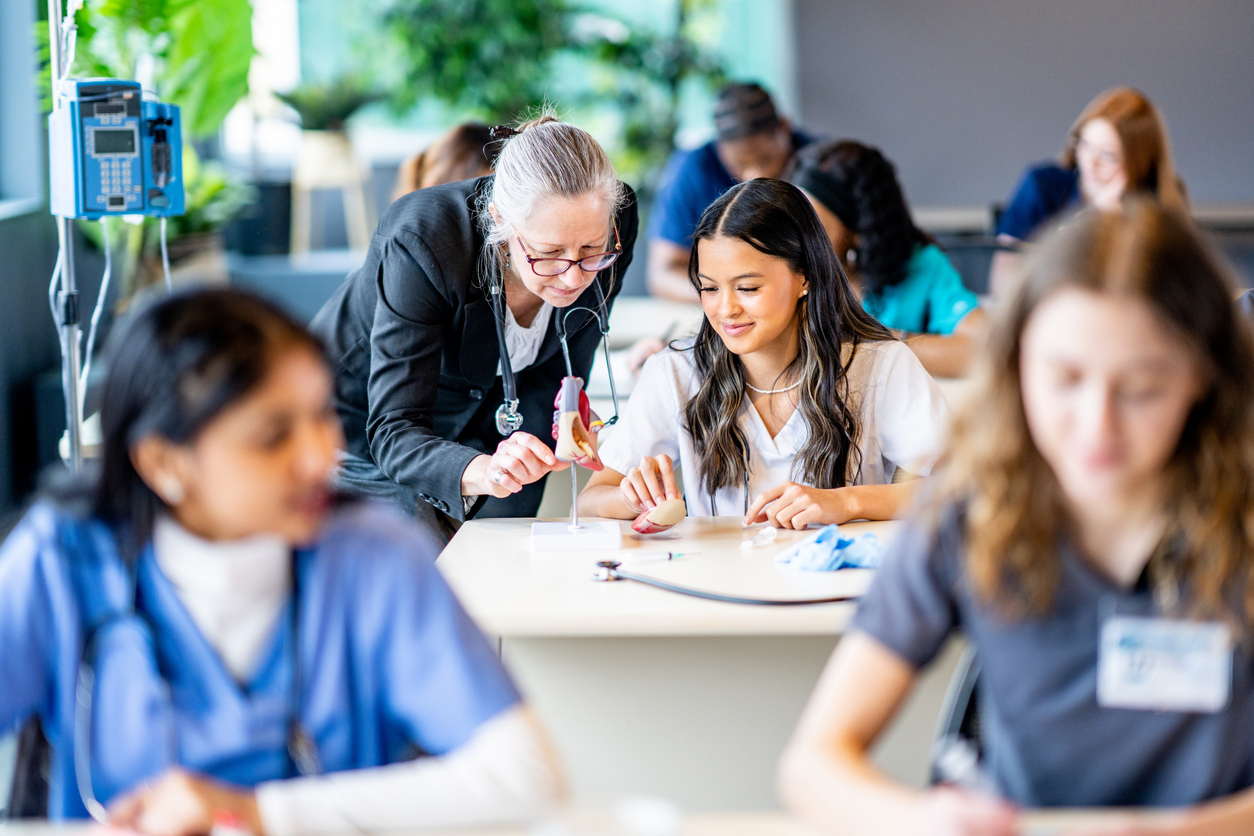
(901, 420)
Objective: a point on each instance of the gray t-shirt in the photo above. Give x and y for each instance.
(1046, 741)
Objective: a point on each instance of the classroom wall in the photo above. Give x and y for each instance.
(961, 94)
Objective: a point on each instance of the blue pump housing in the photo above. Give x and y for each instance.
(112, 153)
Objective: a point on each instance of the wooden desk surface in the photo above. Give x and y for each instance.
(514, 592)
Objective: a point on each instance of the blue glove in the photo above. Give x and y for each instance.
(826, 551)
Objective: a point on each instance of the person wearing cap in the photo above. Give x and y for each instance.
(752, 140)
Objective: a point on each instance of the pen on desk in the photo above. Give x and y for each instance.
(956, 761)
(653, 557)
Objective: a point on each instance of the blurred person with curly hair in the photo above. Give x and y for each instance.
(904, 279)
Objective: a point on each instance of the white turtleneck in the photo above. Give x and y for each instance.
(507, 771)
(234, 590)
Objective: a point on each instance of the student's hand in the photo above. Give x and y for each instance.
(642, 350)
(947, 811)
(652, 482)
(796, 506)
(519, 460)
(180, 803)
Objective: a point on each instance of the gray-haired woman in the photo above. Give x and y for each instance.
(413, 335)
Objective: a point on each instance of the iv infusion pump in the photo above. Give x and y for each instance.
(113, 153)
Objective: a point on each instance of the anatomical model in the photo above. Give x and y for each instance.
(575, 426)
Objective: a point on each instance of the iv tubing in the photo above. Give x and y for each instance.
(95, 315)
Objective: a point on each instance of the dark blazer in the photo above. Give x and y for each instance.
(413, 346)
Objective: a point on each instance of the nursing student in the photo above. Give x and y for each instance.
(1098, 495)
(471, 290)
(1118, 146)
(204, 629)
(904, 279)
(792, 405)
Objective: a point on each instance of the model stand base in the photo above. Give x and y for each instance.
(594, 535)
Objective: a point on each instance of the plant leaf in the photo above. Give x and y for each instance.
(207, 61)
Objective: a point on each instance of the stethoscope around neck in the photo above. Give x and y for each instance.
(301, 749)
(508, 418)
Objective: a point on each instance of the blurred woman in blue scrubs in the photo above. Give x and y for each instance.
(205, 631)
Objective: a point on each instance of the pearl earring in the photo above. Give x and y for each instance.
(172, 491)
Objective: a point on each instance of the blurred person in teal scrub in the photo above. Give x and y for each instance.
(904, 279)
(202, 629)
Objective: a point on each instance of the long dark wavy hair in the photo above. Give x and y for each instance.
(775, 218)
(174, 368)
(873, 206)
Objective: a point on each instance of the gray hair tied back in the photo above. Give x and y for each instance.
(544, 158)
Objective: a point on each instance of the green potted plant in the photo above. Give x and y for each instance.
(498, 59)
(487, 58)
(193, 54)
(325, 158)
(645, 74)
(328, 106)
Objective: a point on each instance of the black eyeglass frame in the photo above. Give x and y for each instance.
(571, 262)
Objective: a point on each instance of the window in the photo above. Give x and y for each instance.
(21, 141)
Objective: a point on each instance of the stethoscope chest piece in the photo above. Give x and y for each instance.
(508, 420)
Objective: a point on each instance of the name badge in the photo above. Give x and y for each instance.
(1161, 664)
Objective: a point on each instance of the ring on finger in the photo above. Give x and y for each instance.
(500, 474)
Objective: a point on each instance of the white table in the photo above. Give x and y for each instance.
(584, 823)
(646, 691)
(598, 823)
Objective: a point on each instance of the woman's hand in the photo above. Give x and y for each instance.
(642, 350)
(181, 803)
(947, 811)
(796, 506)
(519, 460)
(652, 482)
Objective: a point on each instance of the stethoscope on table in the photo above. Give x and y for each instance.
(611, 570)
(508, 419)
(302, 749)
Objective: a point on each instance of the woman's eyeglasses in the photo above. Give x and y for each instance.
(558, 266)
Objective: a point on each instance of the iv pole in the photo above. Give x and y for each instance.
(67, 300)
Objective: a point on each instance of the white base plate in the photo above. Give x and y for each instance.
(596, 535)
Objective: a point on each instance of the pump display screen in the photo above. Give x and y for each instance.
(115, 142)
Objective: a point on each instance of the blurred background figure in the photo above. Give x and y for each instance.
(1102, 469)
(1117, 146)
(902, 277)
(752, 140)
(461, 154)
